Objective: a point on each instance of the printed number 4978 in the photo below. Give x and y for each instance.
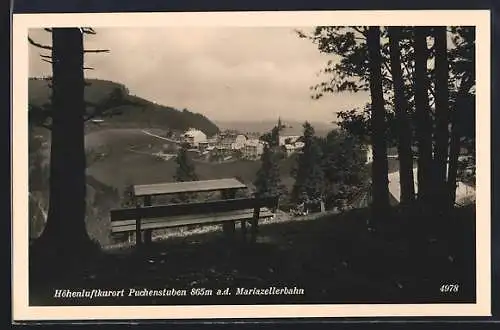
(449, 288)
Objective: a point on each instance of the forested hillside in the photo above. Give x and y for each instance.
(128, 110)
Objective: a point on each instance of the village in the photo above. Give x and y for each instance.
(225, 146)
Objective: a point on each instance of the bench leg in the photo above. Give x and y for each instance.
(138, 239)
(244, 228)
(254, 231)
(148, 236)
(147, 233)
(229, 229)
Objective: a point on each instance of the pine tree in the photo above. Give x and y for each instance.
(380, 181)
(441, 130)
(185, 171)
(423, 116)
(309, 176)
(128, 198)
(462, 101)
(185, 167)
(64, 240)
(403, 127)
(65, 236)
(268, 181)
(344, 166)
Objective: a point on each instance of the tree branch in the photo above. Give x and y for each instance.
(431, 90)
(48, 30)
(301, 34)
(409, 73)
(95, 114)
(36, 44)
(88, 30)
(432, 103)
(389, 80)
(96, 51)
(386, 65)
(48, 61)
(88, 68)
(359, 31)
(91, 116)
(466, 84)
(46, 56)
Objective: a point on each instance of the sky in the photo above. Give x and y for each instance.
(225, 73)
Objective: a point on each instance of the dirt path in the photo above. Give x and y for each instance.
(160, 137)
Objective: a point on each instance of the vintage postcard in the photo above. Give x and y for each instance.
(251, 165)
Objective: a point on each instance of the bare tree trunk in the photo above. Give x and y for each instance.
(424, 123)
(453, 167)
(404, 129)
(442, 117)
(465, 86)
(380, 180)
(65, 234)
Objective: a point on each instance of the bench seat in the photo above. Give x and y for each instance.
(226, 212)
(186, 220)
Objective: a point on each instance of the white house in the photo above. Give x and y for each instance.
(253, 149)
(209, 144)
(239, 142)
(231, 141)
(194, 137)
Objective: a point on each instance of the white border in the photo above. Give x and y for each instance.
(21, 24)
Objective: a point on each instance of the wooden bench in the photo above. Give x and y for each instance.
(148, 218)
(227, 188)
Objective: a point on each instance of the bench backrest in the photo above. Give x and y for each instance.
(227, 205)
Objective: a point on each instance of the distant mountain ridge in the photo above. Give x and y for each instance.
(293, 127)
(133, 111)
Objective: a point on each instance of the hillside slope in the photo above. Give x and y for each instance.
(132, 111)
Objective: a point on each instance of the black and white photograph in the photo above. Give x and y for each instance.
(238, 162)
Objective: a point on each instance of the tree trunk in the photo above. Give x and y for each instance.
(424, 123)
(453, 167)
(65, 234)
(465, 86)
(403, 124)
(442, 117)
(380, 180)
